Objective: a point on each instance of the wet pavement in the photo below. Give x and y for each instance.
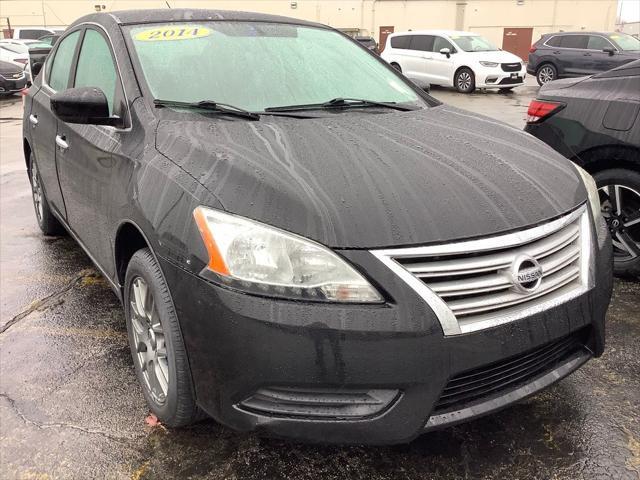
(70, 406)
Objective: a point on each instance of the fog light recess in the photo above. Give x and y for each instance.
(319, 403)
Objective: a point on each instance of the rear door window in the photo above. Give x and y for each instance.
(422, 42)
(401, 41)
(59, 71)
(555, 41)
(32, 34)
(575, 41)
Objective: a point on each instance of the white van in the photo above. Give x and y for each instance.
(34, 33)
(462, 60)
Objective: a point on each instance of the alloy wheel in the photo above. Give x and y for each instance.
(149, 339)
(464, 81)
(546, 74)
(36, 191)
(621, 210)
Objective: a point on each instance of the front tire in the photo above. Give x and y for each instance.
(46, 221)
(546, 73)
(396, 66)
(620, 200)
(157, 348)
(465, 80)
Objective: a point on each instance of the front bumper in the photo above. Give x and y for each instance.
(12, 86)
(238, 344)
(487, 77)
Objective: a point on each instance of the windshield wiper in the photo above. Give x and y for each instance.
(340, 102)
(209, 105)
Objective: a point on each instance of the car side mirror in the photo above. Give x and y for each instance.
(35, 69)
(83, 105)
(446, 51)
(609, 50)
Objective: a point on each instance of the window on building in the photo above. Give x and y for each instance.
(58, 73)
(96, 67)
(421, 42)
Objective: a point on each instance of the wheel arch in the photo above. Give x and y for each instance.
(128, 240)
(544, 62)
(26, 148)
(455, 73)
(603, 157)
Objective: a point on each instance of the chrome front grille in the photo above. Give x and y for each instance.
(482, 283)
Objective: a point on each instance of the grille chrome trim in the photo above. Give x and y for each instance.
(563, 247)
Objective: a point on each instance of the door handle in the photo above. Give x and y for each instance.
(586, 54)
(61, 141)
(34, 120)
(557, 52)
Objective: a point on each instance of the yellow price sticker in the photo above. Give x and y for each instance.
(173, 32)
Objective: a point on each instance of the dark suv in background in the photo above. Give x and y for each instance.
(575, 54)
(368, 42)
(595, 121)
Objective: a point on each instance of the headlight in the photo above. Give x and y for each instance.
(592, 192)
(264, 260)
(489, 64)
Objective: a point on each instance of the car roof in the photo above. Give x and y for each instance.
(133, 17)
(578, 33)
(449, 33)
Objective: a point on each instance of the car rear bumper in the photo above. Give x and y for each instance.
(367, 374)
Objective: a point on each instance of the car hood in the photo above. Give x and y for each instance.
(561, 84)
(366, 179)
(499, 56)
(9, 68)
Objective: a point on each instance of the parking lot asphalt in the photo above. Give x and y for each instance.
(70, 406)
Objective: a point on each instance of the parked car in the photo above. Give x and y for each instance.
(14, 52)
(342, 260)
(595, 122)
(368, 42)
(576, 54)
(50, 39)
(33, 33)
(12, 78)
(462, 60)
(24, 52)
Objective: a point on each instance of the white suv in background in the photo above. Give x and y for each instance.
(462, 60)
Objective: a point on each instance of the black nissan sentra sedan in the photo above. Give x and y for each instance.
(305, 243)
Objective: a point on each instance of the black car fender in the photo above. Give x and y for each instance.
(609, 156)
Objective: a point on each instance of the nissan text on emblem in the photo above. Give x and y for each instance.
(526, 274)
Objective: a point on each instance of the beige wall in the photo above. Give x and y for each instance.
(488, 17)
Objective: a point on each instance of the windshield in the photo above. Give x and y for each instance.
(625, 42)
(256, 65)
(474, 43)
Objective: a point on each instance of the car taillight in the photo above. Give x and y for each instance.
(532, 49)
(539, 110)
